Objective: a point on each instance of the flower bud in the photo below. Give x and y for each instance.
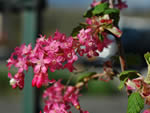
(34, 81)
(12, 81)
(39, 82)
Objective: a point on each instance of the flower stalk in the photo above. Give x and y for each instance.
(119, 44)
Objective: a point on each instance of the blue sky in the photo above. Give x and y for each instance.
(85, 3)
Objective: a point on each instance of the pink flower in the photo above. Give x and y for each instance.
(70, 55)
(68, 43)
(60, 98)
(40, 63)
(23, 50)
(121, 5)
(26, 49)
(42, 39)
(103, 44)
(10, 62)
(69, 66)
(138, 81)
(55, 62)
(41, 79)
(59, 36)
(141, 86)
(53, 46)
(130, 85)
(84, 35)
(147, 111)
(55, 108)
(135, 84)
(17, 80)
(21, 64)
(95, 3)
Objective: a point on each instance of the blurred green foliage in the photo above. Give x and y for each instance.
(95, 87)
(5, 88)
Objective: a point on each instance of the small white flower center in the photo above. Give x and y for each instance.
(12, 81)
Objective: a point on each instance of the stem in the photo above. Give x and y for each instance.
(111, 3)
(69, 80)
(147, 79)
(121, 55)
(120, 48)
(119, 44)
(85, 81)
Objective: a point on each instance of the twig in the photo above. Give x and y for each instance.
(119, 44)
(86, 79)
(121, 54)
(69, 80)
(111, 3)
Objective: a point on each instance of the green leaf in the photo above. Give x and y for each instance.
(110, 11)
(115, 31)
(131, 74)
(84, 25)
(88, 14)
(77, 29)
(122, 84)
(135, 103)
(84, 75)
(100, 8)
(101, 38)
(147, 58)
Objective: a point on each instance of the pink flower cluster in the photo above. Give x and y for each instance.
(19, 59)
(94, 37)
(90, 43)
(58, 99)
(59, 51)
(147, 111)
(141, 86)
(52, 53)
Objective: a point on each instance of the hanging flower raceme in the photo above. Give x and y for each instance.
(52, 53)
(59, 98)
(19, 59)
(17, 80)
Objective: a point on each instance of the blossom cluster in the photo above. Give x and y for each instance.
(94, 37)
(141, 86)
(49, 53)
(147, 111)
(60, 52)
(91, 44)
(60, 98)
